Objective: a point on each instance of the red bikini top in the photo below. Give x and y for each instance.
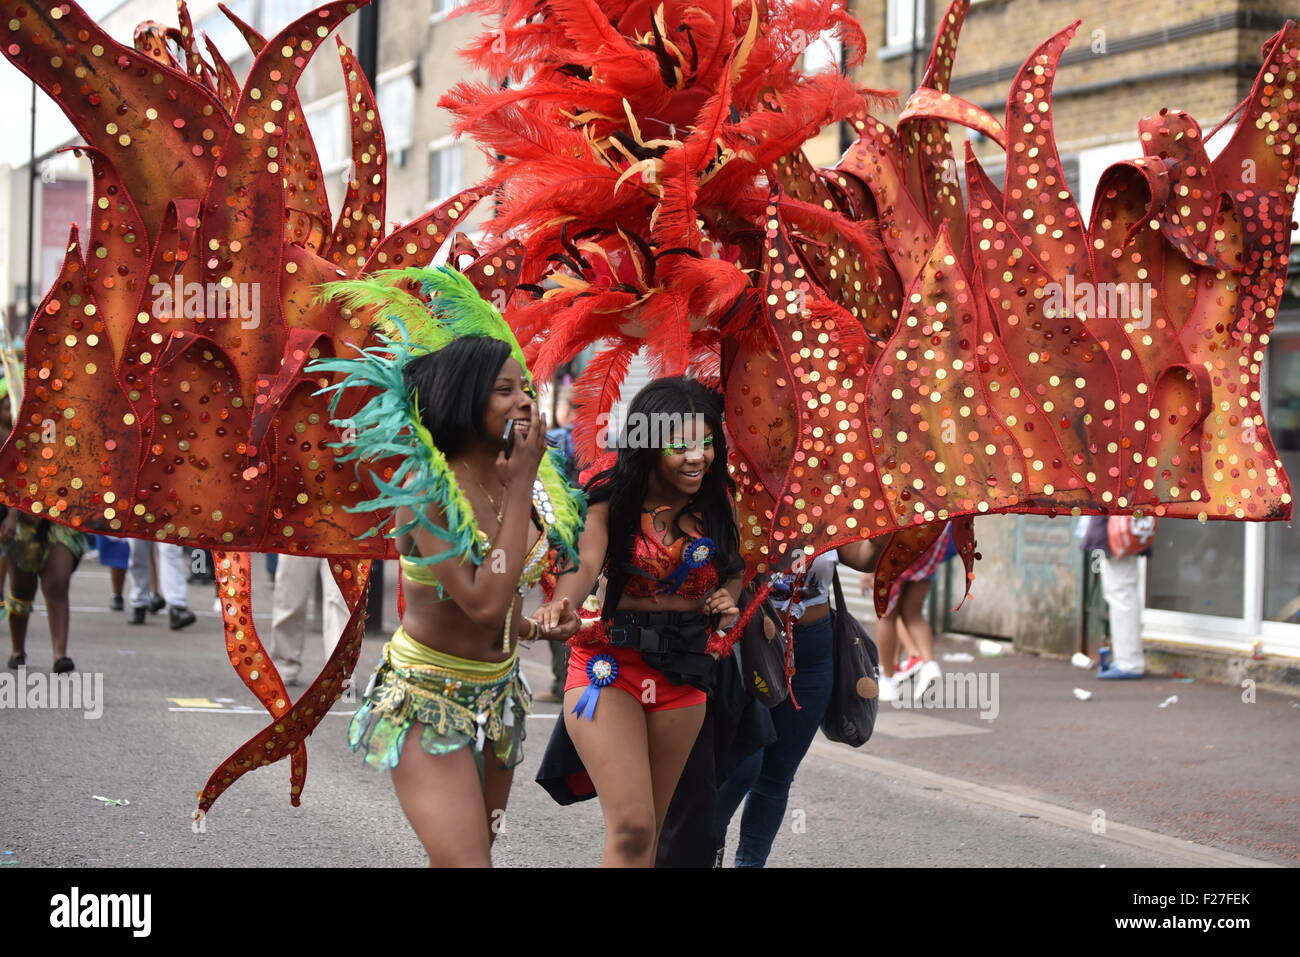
(652, 558)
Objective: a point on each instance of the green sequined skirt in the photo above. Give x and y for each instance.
(30, 547)
(449, 702)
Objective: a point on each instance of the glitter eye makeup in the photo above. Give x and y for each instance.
(680, 448)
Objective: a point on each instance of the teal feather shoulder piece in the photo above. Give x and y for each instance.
(388, 426)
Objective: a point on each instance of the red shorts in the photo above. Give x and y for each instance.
(643, 682)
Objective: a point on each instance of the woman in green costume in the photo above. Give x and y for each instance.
(479, 512)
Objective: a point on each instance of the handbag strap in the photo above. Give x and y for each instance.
(839, 592)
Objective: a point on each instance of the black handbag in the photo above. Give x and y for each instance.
(761, 651)
(851, 714)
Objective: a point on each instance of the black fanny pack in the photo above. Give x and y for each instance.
(673, 642)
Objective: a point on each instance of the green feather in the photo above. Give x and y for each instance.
(570, 507)
(393, 305)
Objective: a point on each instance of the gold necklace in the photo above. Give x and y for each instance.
(497, 510)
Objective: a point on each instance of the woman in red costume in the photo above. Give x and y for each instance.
(662, 532)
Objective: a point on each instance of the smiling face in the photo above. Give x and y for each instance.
(511, 398)
(687, 456)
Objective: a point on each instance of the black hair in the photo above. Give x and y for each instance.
(626, 484)
(452, 387)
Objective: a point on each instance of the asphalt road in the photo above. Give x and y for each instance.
(1052, 781)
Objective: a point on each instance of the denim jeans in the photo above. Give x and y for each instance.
(766, 775)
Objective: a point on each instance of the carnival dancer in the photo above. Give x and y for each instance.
(39, 552)
(479, 514)
(662, 531)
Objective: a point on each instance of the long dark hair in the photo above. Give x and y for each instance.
(452, 387)
(625, 485)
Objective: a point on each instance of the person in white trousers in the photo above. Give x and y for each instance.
(1121, 584)
(171, 579)
(295, 577)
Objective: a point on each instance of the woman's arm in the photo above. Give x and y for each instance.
(862, 556)
(556, 620)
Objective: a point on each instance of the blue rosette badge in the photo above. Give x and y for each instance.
(601, 671)
(696, 554)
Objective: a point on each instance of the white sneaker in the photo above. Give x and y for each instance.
(888, 688)
(908, 668)
(928, 675)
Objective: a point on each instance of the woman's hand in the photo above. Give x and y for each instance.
(720, 603)
(9, 527)
(526, 456)
(557, 620)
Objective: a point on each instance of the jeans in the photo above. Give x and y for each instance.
(766, 775)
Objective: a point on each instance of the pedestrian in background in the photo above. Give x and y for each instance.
(295, 584)
(171, 577)
(762, 781)
(1121, 541)
(904, 621)
(115, 555)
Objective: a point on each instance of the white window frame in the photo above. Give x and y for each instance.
(443, 9)
(437, 146)
(333, 101)
(898, 23)
(269, 29)
(407, 124)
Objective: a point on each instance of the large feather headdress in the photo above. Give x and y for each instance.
(389, 426)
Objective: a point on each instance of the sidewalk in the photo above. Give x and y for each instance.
(1218, 766)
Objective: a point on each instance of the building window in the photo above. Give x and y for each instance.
(328, 122)
(442, 9)
(395, 97)
(446, 169)
(904, 19)
(824, 55)
(275, 15)
(225, 36)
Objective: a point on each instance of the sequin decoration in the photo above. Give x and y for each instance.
(291, 724)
